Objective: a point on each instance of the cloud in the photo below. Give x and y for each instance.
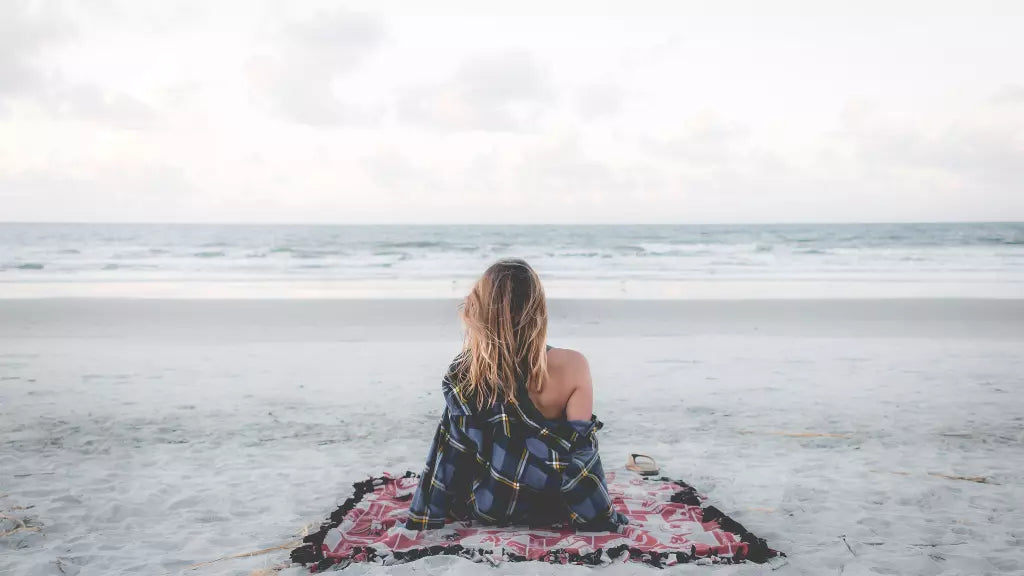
(123, 193)
(600, 100)
(979, 153)
(706, 139)
(27, 31)
(499, 92)
(30, 31)
(564, 170)
(397, 174)
(304, 80)
(276, 111)
(521, 178)
(1009, 94)
(83, 101)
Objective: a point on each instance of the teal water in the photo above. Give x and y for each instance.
(992, 252)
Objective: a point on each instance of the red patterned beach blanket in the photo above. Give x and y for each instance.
(668, 525)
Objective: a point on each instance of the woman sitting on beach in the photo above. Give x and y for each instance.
(516, 443)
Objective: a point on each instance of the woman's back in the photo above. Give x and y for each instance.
(568, 392)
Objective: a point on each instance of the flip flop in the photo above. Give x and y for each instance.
(646, 466)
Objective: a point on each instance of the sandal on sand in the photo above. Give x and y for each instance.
(642, 464)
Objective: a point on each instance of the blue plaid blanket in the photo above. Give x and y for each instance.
(507, 464)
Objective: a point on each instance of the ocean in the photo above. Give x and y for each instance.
(983, 260)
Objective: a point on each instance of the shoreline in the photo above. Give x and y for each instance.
(996, 287)
(415, 319)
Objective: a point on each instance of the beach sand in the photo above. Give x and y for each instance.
(145, 436)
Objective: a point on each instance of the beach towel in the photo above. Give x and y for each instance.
(668, 524)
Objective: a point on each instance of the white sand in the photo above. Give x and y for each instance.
(145, 436)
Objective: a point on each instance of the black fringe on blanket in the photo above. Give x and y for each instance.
(757, 549)
(311, 551)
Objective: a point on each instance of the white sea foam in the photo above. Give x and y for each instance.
(921, 260)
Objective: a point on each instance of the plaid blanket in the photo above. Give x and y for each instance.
(668, 525)
(506, 464)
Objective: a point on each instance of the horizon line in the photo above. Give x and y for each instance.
(492, 224)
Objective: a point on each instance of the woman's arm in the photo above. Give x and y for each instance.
(580, 405)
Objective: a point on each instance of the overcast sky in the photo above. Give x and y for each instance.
(626, 111)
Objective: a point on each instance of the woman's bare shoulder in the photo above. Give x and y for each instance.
(570, 365)
(570, 374)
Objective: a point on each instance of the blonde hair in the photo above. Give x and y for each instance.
(506, 321)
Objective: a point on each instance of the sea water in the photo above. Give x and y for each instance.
(636, 261)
